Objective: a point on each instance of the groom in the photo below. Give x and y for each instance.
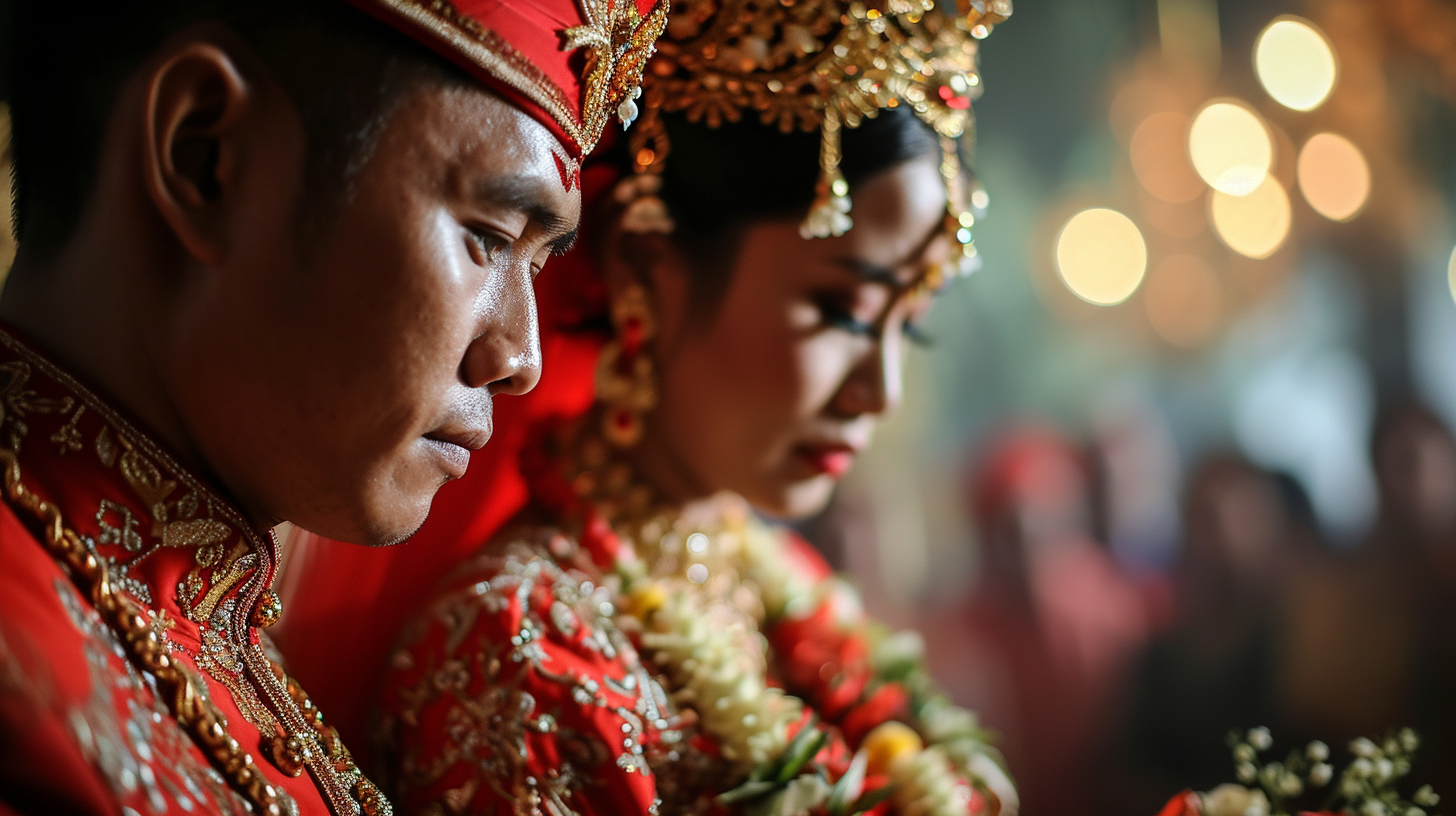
(275, 261)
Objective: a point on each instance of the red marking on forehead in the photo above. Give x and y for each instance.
(570, 171)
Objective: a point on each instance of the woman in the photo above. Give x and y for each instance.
(726, 338)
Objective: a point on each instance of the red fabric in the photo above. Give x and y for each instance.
(532, 33)
(1184, 804)
(473, 697)
(80, 728)
(339, 626)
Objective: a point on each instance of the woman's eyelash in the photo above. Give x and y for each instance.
(838, 318)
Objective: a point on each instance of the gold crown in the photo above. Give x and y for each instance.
(826, 64)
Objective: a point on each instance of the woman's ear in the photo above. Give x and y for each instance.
(197, 107)
(637, 252)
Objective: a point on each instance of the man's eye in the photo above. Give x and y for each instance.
(493, 249)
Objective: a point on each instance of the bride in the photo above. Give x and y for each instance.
(721, 344)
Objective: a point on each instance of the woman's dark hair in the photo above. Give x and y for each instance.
(717, 180)
(342, 69)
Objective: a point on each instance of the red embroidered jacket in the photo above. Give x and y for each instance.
(85, 725)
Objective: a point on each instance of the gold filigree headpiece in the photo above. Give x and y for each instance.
(826, 64)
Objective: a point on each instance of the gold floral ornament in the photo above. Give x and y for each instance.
(826, 64)
(618, 41)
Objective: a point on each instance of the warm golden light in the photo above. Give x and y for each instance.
(1254, 225)
(1101, 256)
(1333, 176)
(1230, 147)
(1183, 300)
(1160, 160)
(1295, 63)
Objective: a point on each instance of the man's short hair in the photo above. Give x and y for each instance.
(342, 69)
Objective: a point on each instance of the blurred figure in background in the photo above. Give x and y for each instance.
(1368, 638)
(1042, 643)
(1215, 668)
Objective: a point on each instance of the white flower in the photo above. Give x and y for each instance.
(1260, 738)
(1364, 748)
(1408, 740)
(1426, 797)
(803, 795)
(1373, 807)
(984, 770)
(1384, 769)
(1235, 800)
(1362, 767)
(1247, 773)
(1317, 751)
(1320, 774)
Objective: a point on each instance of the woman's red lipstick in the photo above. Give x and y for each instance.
(833, 461)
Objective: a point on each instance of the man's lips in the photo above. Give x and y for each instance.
(833, 460)
(454, 447)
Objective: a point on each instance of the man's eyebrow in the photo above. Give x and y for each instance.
(530, 196)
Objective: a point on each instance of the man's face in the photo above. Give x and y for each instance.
(337, 381)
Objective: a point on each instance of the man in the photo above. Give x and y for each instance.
(275, 261)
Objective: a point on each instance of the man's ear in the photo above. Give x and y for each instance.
(196, 104)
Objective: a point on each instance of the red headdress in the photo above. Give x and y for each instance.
(571, 64)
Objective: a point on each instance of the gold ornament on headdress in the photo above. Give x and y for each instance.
(826, 64)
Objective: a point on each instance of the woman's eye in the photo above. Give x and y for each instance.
(492, 248)
(837, 317)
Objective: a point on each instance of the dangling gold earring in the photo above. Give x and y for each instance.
(626, 383)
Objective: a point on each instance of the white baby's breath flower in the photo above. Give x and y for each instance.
(1362, 767)
(1247, 773)
(1235, 800)
(1317, 751)
(1373, 807)
(1384, 769)
(1409, 740)
(1260, 738)
(1363, 747)
(1321, 774)
(1426, 797)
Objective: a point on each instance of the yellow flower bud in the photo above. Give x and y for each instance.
(647, 599)
(887, 743)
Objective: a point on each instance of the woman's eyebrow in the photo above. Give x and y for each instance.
(871, 272)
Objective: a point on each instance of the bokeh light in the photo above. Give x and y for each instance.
(1295, 63)
(1183, 300)
(1101, 256)
(1254, 225)
(1451, 274)
(1230, 147)
(1160, 160)
(1334, 176)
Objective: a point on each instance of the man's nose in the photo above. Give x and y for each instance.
(505, 356)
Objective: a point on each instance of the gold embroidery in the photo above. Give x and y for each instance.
(222, 657)
(124, 532)
(195, 533)
(237, 566)
(154, 477)
(16, 401)
(68, 438)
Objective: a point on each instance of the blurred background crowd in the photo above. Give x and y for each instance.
(1179, 460)
(1179, 457)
